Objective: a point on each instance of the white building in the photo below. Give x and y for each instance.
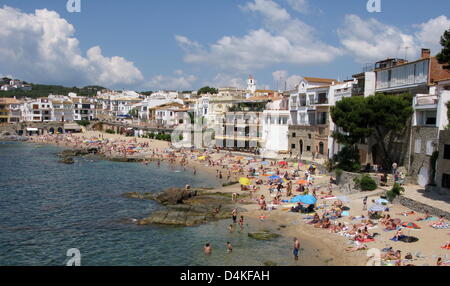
(275, 127)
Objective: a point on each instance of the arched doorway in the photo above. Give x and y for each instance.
(321, 148)
(301, 146)
(52, 130)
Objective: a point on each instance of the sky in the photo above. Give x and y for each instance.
(186, 44)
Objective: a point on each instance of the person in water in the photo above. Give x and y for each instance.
(208, 249)
(229, 247)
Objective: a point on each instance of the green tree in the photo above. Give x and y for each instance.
(348, 159)
(350, 114)
(207, 89)
(444, 56)
(133, 113)
(381, 116)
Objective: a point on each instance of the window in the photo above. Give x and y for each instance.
(430, 148)
(292, 146)
(309, 137)
(294, 135)
(308, 148)
(447, 152)
(418, 146)
(446, 181)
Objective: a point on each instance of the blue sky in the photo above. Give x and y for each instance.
(181, 44)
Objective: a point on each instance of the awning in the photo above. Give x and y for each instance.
(32, 129)
(72, 127)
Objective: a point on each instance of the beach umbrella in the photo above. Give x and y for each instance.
(381, 201)
(239, 158)
(410, 225)
(202, 158)
(274, 177)
(295, 164)
(265, 163)
(301, 182)
(377, 208)
(248, 158)
(244, 181)
(307, 200)
(282, 163)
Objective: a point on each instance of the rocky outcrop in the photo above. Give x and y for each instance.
(173, 196)
(67, 160)
(263, 235)
(187, 208)
(10, 135)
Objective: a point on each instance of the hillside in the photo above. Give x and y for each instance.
(42, 90)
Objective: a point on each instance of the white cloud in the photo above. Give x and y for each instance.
(301, 6)
(281, 77)
(430, 33)
(41, 47)
(226, 80)
(282, 39)
(179, 81)
(370, 40)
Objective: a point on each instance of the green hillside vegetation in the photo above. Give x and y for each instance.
(42, 90)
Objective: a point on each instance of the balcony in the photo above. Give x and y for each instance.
(422, 100)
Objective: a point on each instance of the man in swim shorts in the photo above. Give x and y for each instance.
(296, 248)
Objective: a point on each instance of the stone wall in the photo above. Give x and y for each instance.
(443, 166)
(422, 208)
(421, 160)
(347, 184)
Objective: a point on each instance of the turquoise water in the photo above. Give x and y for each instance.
(47, 208)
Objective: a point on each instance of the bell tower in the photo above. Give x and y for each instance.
(251, 85)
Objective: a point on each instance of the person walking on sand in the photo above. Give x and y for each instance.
(365, 203)
(296, 248)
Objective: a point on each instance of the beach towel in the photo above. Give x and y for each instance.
(428, 219)
(345, 213)
(366, 240)
(399, 238)
(446, 247)
(440, 226)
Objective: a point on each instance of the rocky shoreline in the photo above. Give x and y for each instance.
(187, 207)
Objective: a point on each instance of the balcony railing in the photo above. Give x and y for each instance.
(427, 100)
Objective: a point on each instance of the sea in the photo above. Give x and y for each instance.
(48, 208)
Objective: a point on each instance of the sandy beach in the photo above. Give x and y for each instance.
(330, 247)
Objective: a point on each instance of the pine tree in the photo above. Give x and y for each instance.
(444, 56)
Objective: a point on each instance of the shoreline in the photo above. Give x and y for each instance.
(326, 244)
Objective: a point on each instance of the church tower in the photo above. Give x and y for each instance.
(251, 85)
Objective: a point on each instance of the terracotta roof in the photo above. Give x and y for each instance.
(322, 80)
(9, 101)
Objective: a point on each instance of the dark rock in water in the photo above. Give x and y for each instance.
(188, 208)
(263, 235)
(67, 160)
(173, 196)
(125, 159)
(73, 153)
(139, 196)
(270, 263)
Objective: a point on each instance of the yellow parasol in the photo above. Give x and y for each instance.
(244, 181)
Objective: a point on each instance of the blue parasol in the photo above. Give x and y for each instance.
(377, 208)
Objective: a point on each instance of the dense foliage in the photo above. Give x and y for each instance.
(365, 183)
(207, 89)
(380, 116)
(348, 159)
(444, 56)
(42, 90)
